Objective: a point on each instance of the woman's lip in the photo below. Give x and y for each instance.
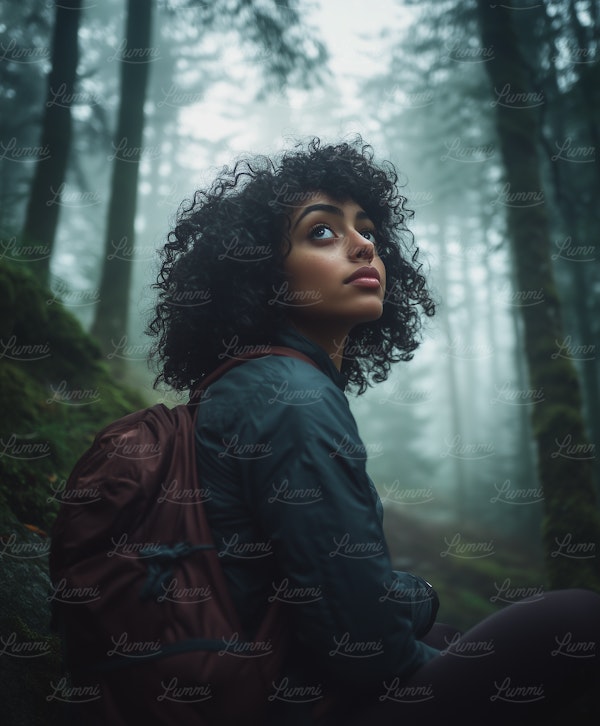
(364, 273)
(371, 282)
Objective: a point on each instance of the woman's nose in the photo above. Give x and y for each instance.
(359, 247)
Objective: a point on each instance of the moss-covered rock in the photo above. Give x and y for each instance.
(56, 392)
(29, 651)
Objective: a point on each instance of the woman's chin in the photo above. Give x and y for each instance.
(370, 312)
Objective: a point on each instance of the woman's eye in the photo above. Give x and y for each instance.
(321, 231)
(370, 235)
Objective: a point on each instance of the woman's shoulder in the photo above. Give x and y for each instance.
(281, 383)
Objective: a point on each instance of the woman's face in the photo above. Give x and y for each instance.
(335, 278)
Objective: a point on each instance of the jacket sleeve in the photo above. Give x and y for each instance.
(314, 501)
(419, 599)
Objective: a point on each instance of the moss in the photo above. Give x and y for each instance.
(66, 335)
(7, 304)
(469, 588)
(59, 394)
(29, 679)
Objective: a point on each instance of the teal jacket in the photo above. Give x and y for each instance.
(295, 516)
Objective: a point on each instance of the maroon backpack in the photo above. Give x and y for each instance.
(138, 592)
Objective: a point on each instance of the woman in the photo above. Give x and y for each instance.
(312, 252)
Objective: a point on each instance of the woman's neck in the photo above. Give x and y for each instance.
(332, 344)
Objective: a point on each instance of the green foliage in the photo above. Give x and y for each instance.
(56, 393)
(470, 587)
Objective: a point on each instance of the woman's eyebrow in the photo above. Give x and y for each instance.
(326, 208)
(318, 208)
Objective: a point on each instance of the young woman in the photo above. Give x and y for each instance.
(312, 252)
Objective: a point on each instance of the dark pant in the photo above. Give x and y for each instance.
(522, 664)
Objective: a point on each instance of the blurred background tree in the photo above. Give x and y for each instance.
(41, 218)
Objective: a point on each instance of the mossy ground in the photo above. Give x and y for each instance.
(471, 585)
(56, 392)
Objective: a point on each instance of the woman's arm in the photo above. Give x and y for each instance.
(315, 503)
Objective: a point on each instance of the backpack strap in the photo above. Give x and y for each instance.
(233, 362)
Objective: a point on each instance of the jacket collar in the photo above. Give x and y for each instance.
(294, 339)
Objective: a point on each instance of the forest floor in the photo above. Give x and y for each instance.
(475, 572)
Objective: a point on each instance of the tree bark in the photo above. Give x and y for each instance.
(571, 525)
(110, 325)
(457, 418)
(43, 207)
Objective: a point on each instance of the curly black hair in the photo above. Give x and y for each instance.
(224, 258)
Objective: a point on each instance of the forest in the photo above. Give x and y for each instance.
(483, 447)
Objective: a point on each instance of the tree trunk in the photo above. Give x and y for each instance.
(587, 84)
(41, 218)
(571, 524)
(525, 455)
(577, 215)
(110, 325)
(457, 426)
